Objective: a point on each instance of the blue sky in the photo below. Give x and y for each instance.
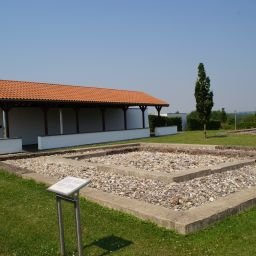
(153, 46)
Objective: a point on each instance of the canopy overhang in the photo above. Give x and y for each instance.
(34, 94)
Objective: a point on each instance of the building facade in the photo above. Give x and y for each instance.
(34, 113)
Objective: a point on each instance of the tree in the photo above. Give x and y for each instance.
(216, 115)
(203, 96)
(223, 116)
(219, 115)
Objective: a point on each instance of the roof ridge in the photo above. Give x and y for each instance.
(68, 85)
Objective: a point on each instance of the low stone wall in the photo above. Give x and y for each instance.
(168, 130)
(60, 151)
(183, 221)
(69, 140)
(179, 176)
(10, 145)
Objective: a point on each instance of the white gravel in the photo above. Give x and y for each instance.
(179, 196)
(79, 153)
(164, 162)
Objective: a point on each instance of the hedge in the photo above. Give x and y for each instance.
(161, 121)
(246, 125)
(194, 124)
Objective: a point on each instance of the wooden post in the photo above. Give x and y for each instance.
(158, 108)
(45, 111)
(103, 119)
(6, 122)
(143, 108)
(77, 120)
(61, 121)
(125, 108)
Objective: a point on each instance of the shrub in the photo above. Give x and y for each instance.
(246, 125)
(214, 125)
(227, 126)
(194, 124)
(161, 121)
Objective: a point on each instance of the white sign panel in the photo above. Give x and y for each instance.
(68, 185)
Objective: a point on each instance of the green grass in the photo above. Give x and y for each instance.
(193, 137)
(28, 226)
(214, 138)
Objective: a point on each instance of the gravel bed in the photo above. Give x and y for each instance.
(158, 161)
(79, 153)
(178, 196)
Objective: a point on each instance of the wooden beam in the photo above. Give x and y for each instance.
(143, 108)
(158, 108)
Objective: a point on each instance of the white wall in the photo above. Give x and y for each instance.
(114, 119)
(167, 130)
(134, 118)
(10, 146)
(69, 120)
(183, 119)
(28, 123)
(90, 120)
(58, 141)
(53, 116)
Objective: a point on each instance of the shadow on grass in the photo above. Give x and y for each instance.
(110, 244)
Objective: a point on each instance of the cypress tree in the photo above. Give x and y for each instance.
(203, 96)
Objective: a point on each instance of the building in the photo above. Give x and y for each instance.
(54, 115)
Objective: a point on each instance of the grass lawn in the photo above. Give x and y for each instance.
(194, 137)
(214, 138)
(28, 226)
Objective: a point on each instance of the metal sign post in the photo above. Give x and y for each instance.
(68, 190)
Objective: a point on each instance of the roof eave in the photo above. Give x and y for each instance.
(82, 102)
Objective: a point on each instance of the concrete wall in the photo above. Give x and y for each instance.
(183, 119)
(168, 130)
(90, 120)
(58, 141)
(69, 121)
(114, 119)
(134, 118)
(28, 123)
(10, 146)
(54, 121)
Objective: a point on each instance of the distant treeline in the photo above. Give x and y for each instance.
(222, 120)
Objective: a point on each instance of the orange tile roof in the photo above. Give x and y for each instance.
(34, 91)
